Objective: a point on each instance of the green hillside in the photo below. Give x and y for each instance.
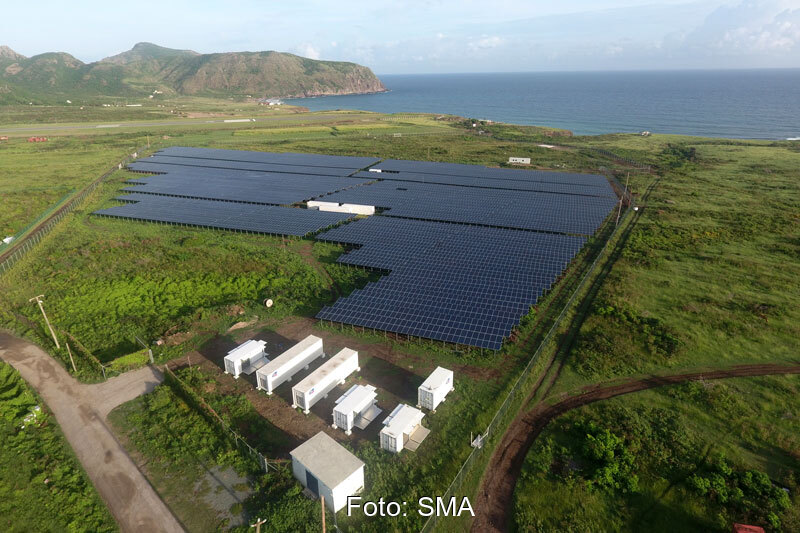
(56, 76)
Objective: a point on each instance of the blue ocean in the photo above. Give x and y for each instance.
(749, 104)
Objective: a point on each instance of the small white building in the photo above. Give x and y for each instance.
(403, 429)
(321, 381)
(433, 390)
(326, 468)
(247, 358)
(356, 408)
(287, 364)
(335, 207)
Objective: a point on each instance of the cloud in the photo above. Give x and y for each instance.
(307, 50)
(486, 43)
(781, 34)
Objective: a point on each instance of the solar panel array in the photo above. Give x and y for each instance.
(281, 158)
(477, 171)
(450, 282)
(234, 216)
(532, 210)
(230, 189)
(467, 249)
(602, 188)
(248, 187)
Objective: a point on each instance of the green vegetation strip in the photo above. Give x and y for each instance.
(42, 486)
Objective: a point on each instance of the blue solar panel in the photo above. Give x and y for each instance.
(467, 250)
(600, 189)
(458, 169)
(564, 213)
(450, 282)
(158, 163)
(281, 158)
(223, 215)
(261, 188)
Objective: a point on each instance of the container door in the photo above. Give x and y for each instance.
(312, 483)
(229, 366)
(427, 399)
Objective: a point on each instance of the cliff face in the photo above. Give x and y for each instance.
(148, 67)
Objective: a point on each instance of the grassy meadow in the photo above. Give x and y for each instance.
(42, 485)
(707, 279)
(693, 457)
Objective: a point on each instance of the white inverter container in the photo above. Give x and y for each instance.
(434, 390)
(287, 364)
(355, 404)
(321, 381)
(399, 426)
(245, 358)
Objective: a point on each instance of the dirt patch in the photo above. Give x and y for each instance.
(493, 505)
(222, 488)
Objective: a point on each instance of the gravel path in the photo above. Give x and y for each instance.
(81, 412)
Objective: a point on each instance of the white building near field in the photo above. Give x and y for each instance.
(321, 381)
(246, 358)
(403, 429)
(356, 408)
(434, 390)
(326, 468)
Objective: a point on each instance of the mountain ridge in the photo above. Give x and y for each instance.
(148, 69)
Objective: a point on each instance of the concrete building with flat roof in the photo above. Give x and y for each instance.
(326, 468)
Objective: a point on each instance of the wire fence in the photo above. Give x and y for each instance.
(18, 248)
(197, 401)
(518, 387)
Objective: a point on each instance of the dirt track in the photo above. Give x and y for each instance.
(81, 412)
(494, 502)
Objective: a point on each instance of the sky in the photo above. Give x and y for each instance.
(430, 36)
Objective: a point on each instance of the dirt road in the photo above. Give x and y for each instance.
(494, 503)
(81, 412)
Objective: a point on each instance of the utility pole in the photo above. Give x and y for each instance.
(38, 300)
(71, 360)
(624, 194)
(322, 501)
(146, 347)
(258, 523)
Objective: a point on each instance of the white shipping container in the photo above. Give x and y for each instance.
(433, 390)
(245, 358)
(355, 405)
(355, 209)
(320, 382)
(399, 426)
(287, 364)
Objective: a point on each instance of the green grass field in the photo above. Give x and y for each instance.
(42, 486)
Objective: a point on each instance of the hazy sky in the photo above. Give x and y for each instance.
(404, 36)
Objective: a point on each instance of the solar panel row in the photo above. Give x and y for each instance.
(600, 189)
(281, 158)
(271, 220)
(158, 163)
(531, 210)
(450, 282)
(458, 169)
(259, 188)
